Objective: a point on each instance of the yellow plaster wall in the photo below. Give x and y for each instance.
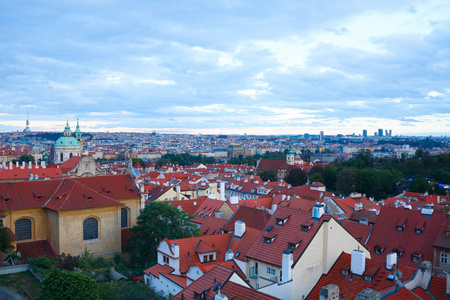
(38, 221)
(134, 205)
(71, 231)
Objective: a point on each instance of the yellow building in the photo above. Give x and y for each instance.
(72, 214)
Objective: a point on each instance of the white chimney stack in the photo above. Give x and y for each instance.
(175, 249)
(222, 191)
(234, 200)
(391, 260)
(10, 165)
(286, 265)
(447, 290)
(239, 228)
(318, 211)
(229, 255)
(23, 165)
(358, 262)
(178, 189)
(17, 164)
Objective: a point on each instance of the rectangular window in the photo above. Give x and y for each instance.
(270, 271)
(444, 258)
(166, 259)
(211, 257)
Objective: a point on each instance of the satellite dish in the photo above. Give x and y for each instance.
(398, 274)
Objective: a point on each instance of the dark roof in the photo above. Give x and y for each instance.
(252, 217)
(272, 165)
(351, 284)
(370, 215)
(36, 248)
(385, 232)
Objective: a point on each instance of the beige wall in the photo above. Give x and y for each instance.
(38, 221)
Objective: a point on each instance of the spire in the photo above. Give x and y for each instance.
(67, 131)
(77, 131)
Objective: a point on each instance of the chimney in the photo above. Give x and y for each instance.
(175, 249)
(391, 260)
(286, 265)
(329, 292)
(234, 200)
(23, 165)
(239, 228)
(288, 198)
(17, 164)
(43, 164)
(283, 197)
(318, 211)
(178, 189)
(29, 165)
(358, 262)
(10, 165)
(222, 191)
(229, 255)
(36, 166)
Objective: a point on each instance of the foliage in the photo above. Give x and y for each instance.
(184, 159)
(316, 177)
(68, 262)
(268, 175)
(329, 176)
(25, 158)
(5, 240)
(296, 177)
(346, 181)
(40, 263)
(142, 162)
(89, 263)
(158, 220)
(418, 184)
(69, 285)
(127, 291)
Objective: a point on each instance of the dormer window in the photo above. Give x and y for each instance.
(399, 251)
(305, 227)
(269, 239)
(368, 278)
(401, 224)
(293, 246)
(416, 257)
(281, 222)
(344, 271)
(378, 249)
(418, 229)
(6, 197)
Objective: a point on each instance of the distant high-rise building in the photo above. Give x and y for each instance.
(27, 128)
(390, 132)
(380, 132)
(321, 136)
(365, 133)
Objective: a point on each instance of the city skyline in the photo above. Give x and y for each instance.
(226, 67)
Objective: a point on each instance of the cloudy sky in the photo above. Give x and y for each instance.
(255, 67)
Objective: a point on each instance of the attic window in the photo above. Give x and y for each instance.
(305, 227)
(399, 251)
(293, 246)
(418, 229)
(367, 278)
(416, 257)
(448, 233)
(237, 254)
(6, 197)
(344, 271)
(378, 249)
(269, 228)
(268, 240)
(106, 190)
(60, 196)
(401, 224)
(281, 222)
(88, 197)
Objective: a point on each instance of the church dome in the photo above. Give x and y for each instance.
(67, 141)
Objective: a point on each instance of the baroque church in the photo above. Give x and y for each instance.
(68, 145)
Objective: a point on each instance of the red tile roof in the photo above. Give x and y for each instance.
(210, 225)
(36, 248)
(357, 230)
(252, 217)
(220, 275)
(290, 232)
(350, 285)
(70, 164)
(385, 233)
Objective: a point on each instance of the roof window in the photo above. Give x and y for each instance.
(269, 228)
(401, 224)
(305, 227)
(378, 249)
(269, 239)
(6, 197)
(281, 222)
(418, 229)
(416, 257)
(399, 251)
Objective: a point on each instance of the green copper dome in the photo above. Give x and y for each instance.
(67, 141)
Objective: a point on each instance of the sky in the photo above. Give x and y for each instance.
(226, 67)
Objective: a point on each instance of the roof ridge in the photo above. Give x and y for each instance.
(54, 192)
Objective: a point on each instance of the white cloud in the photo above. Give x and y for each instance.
(435, 94)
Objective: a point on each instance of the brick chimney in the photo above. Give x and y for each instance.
(329, 292)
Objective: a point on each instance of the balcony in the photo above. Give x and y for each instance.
(253, 273)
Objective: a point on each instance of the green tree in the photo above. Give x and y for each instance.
(158, 220)
(5, 240)
(68, 285)
(418, 184)
(329, 176)
(296, 177)
(268, 175)
(135, 160)
(346, 181)
(316, 177)
(128, 291)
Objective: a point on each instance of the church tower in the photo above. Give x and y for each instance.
(67, 146)
(77, 132)
(27, 128)
(290, 156)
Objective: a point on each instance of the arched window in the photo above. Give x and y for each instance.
(62, 157)
(124, 217)
(90, 229)
(70, 156)
(23, 229)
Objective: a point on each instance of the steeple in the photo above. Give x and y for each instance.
(77, 132)
(27, 128)
(67, 131)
